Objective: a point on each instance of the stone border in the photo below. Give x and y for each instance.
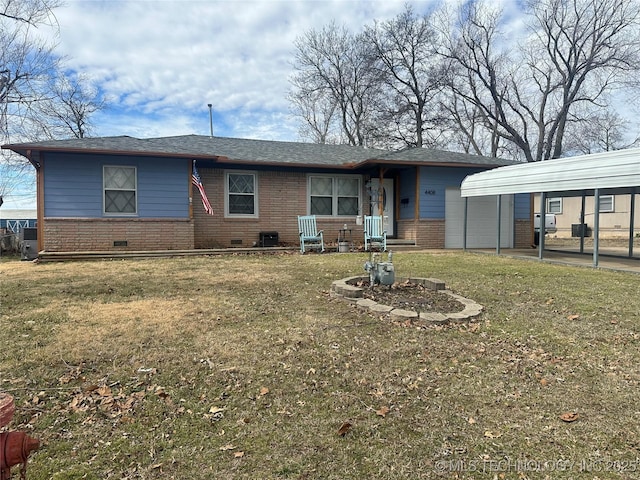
(344, 288)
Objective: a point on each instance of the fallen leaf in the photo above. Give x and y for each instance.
(569, 416)
(264, 391)
(238, 454)
(471, 420)
(573, 317)
(215, 410)
(227, 447)
(160, 391)
(344, 429)
(104, 391)
(544, 382)
(490, 434)
(383, 411)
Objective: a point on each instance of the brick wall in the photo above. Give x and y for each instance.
(523, 234)
(426, 233)
(282, 196)
(79, 235)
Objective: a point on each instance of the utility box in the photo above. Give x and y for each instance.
(28, 243)
(580, 230)
(268, 239)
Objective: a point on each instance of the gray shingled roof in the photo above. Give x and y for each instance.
(254, 151)
(427, 155)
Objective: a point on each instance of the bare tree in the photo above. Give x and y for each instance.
(575, 53)
(31, 12)
(412, 73)
(67, 112)
(37, 100)
(317, 112)
(334, 67)
(599, 131)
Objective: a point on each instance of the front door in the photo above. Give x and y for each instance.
(387, 202)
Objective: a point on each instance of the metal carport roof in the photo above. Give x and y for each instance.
(607, 173)
(610, 172)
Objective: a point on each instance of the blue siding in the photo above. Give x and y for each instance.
(522, 206)
(407, 184)
(433, 184)
(73, 185)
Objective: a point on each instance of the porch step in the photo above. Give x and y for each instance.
(396, 244)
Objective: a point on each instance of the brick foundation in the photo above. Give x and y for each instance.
(425, 233)
(79, 235)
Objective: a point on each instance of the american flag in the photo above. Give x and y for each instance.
(195, 179)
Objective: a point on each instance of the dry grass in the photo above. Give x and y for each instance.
(244, 367)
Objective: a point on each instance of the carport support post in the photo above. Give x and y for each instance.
(596, 226)
(543, 223)
(499, 208)
(582, 230)
(464, 225)
(631, 220)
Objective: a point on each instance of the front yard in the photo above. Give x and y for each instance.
(245, 367)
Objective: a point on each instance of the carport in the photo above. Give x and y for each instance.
(607, 173)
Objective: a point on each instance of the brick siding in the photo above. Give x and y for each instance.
(79, 235)
(282, 196)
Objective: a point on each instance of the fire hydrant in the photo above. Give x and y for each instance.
(15, 447)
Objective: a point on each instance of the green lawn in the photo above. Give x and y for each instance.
(245, 367)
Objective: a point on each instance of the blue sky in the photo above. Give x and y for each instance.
(160, 62)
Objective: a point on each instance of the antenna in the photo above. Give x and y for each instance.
(210, 119)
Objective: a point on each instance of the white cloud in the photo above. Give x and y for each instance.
(162, 62)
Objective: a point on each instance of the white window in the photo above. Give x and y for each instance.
(606, 204)
(241, 194)
(554, 205)
(334, 195)
(120, 190)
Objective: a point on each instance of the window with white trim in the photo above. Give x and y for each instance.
(334, 195)
(554, 205)
(120, 190)
(241, 194)
(607, 204)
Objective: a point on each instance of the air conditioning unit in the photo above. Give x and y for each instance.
(28, 243)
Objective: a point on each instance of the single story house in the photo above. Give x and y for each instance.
(575, 218)
(130, 194)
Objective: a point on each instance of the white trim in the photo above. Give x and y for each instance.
(135, 192)
(254, 174)
(554, 199)
(334, 194)
(613, 204)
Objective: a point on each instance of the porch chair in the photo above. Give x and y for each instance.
(374, 232)
(310, 236)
